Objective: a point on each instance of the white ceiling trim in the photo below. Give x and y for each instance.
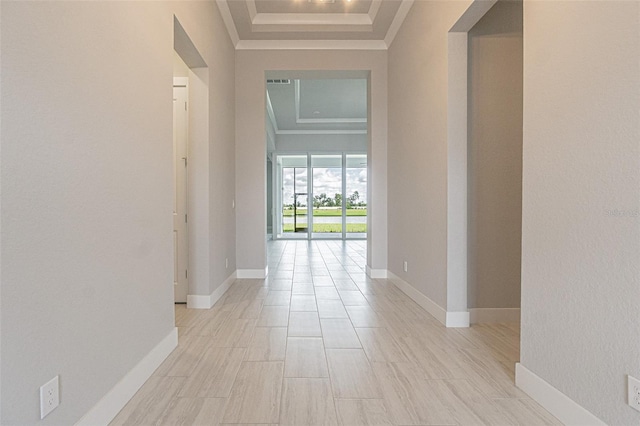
(228, 21)
(402, 12)
(330, 120)
(338, 23)
(259, 28)
(283, 19)
(321, 132)
(272, 115)
(253, 10)
(296, 89)
(311, 44)
(373, 10)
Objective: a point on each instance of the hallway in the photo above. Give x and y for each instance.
(320, 343)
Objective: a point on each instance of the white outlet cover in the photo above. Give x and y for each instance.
(634, 392)
(49, 396)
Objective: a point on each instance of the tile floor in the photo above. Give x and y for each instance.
(319, 343)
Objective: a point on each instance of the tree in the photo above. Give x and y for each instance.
(352, 200)
(338, 199)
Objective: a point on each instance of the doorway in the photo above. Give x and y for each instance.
(180, 218)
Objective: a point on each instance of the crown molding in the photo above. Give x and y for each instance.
(312, 19)
(311, 45)
(319, 22)
(402, 12)
(223, 7)
(321, 132)
(253, 10)
(373, 10)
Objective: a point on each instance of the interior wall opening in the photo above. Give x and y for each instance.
(317, 143)
(190, 168)
(494, 164)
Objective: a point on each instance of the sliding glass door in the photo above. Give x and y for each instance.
(293, 196)
(334, 186)
(356, 195)
(327, 220)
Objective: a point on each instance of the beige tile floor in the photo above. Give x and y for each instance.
(319, 343)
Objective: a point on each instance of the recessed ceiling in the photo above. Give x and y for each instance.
(313, 24)
(317, 106)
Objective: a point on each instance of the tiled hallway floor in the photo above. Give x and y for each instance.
(320, 343)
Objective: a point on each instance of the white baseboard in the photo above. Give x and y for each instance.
(448, 319)
(457, 319)
(110, 405)
(427, 304)
(376, 273)
(195, 301)
(491, 315)
(555, 402)
(258, 274)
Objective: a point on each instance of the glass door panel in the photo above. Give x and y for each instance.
(356, 195)
(294, 197)
(327, 219)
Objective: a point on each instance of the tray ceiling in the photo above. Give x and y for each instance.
(289, 24)
(324, 106)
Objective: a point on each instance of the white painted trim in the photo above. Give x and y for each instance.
(110, 405)
(321, 132)
(258, 274)
(195, 301)
(472, 15)
(376, 273)
(457, 319)
(311, 19)
(330, 120)
(402, 12)
(311, 44)
(457, 245)
(551, 399)
(373, 10)
(427, 304)
(253, 10)
(296, 97)
(491, 315)
(223, 7)
(180, 81)
(266, 22)
(271, 113)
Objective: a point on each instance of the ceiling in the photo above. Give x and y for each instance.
(317, 106)
(309, 24)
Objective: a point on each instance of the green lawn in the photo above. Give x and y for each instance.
(330, 227)
(326, 212)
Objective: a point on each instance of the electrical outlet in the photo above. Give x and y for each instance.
(633, 392)
(405, 266)
(226, 263)
(49, 397)
(233, 204)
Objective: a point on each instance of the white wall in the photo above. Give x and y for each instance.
(180, 69)
(495, 158)
(86, 249)
(250, 143)
(417, 151)
(580, 268)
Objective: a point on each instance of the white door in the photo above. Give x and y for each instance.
(180, 243)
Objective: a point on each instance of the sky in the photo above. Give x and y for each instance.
(327, 180)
